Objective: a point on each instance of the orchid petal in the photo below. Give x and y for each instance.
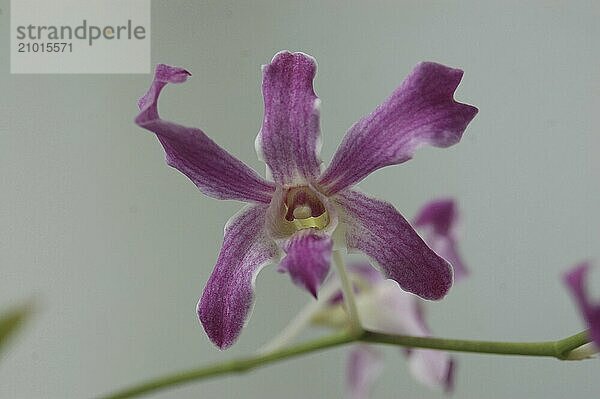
(386, 308)
(289, 140)
(438, 220)
(307, 260)
(364, 367)
(575, 280)
(421, 111)
(376, 228)
(229, 293)
(432, 368)
(212, 169)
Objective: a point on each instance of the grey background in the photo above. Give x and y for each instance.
(116, 247)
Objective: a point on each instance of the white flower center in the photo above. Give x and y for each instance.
(302, 212)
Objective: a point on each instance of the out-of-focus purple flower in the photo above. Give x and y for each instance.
(438, 221)
(384, 307)
(575, 279)
(294, 216)
(363, 369)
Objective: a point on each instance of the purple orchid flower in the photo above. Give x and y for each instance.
(296, 214)
(575, 280)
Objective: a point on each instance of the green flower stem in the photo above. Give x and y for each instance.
(348, 292)
(235, 366)
(558, 349)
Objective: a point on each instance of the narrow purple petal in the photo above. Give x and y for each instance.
(364, 366)
(437, 221)
(575, 280)
(376, 228)
(307, 260)
(289, 138)
(421, 111)
(229, 293)
(212, 169)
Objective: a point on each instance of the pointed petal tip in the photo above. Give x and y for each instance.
(449, 380)
(441, 214)
(575, 276)
(170, 74)
(436, 292)
(312, 289)
(307, 260)
(469, 113)
(163, 74)
(216, 337)
(589, 308)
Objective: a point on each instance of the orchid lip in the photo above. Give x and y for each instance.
(319, 222)
(304, 209)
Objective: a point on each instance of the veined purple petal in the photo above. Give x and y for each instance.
(364, 366)
(437, 221)
(289, 138)
(575, 280)
(308, 259)
(376, 228)
(229, 293)
(421, 111)
(212, 169)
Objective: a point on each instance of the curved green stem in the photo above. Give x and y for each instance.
(558, 349)
(348, 292)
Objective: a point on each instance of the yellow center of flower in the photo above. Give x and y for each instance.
(304, 209)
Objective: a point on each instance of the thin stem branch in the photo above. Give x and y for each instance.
(234, 366)
(558, 349)
(348, 291)
(302, 319)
